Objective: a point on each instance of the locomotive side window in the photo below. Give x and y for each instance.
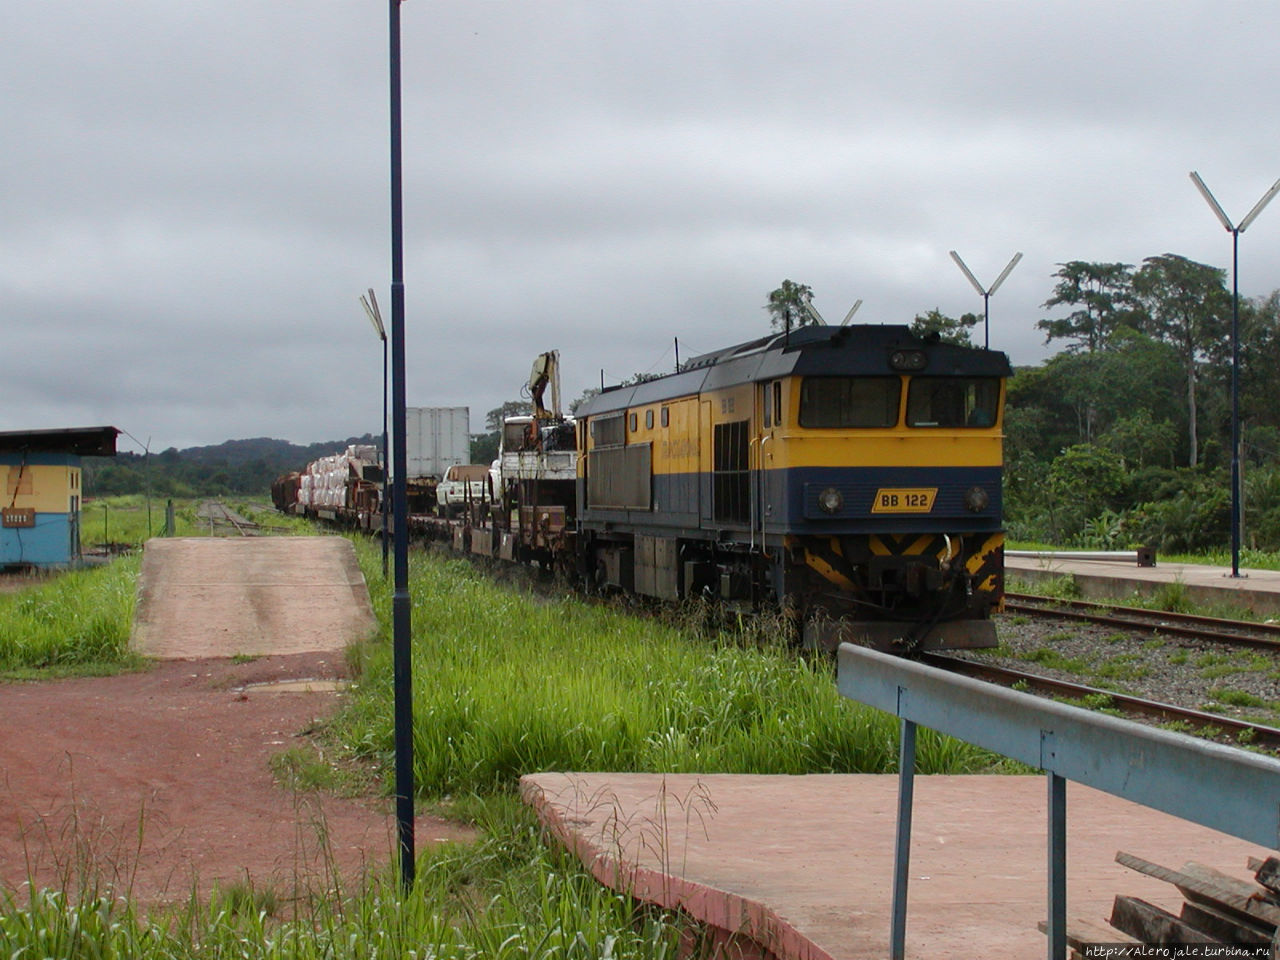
(849, 402)
(777, 402)
(953, 401)
(648, 419)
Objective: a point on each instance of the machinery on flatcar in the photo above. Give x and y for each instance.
(850, 475)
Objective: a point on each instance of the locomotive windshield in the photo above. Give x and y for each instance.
(849, 402)
(953, 401)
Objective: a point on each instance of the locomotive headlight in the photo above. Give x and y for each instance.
(976, 499)
(908, 360)
(830, 500)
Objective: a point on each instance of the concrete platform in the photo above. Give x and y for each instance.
(804, 865)
(1255, 590)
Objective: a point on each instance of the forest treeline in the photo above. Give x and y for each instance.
(1121, 438)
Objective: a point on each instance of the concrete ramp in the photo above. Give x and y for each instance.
(201, 597)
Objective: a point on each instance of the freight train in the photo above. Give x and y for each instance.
(847, 476)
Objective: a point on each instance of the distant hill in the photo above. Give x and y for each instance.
(232, 467)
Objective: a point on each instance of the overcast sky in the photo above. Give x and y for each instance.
(195, 194)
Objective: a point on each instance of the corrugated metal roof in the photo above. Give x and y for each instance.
(82, 441)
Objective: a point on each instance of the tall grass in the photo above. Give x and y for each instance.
(511, 898)
(80, 618)
(507, 683)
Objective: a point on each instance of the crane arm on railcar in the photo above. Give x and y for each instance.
(546, 372)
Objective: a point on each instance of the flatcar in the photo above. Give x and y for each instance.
(849, 475)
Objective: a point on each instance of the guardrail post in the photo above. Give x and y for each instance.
(1056, 928)
(902, 849)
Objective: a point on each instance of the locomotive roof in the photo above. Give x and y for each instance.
(855, 350)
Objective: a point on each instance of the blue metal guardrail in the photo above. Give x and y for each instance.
(1221, 787)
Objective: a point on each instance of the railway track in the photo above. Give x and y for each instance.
(219, 514)
(1236, 633)
(1238, 731)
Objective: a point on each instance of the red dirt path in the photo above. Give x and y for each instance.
(156, 781)
(153, 781)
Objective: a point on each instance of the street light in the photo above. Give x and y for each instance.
(986, 293)
(375, 317)
(1235, 347)
(401, 640)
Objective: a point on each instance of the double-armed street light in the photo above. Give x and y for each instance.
(1235, 232)
(986, 293)
(375, 317)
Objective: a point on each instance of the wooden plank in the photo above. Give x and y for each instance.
(1150, 924)
(1202, 884)
(1231, 928)
(1267, 873)
(1082, 933)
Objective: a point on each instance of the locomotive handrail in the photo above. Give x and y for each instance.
(1216, 786)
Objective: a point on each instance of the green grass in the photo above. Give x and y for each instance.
(1126, 666)
(1238, 698)
(513, 898)
(508, 683)
(77, 621)
(1048, 657)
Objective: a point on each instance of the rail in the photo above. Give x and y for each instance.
(1207, 783)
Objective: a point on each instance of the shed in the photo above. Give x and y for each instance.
(40, 509)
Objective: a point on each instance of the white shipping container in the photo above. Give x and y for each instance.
(436, 438)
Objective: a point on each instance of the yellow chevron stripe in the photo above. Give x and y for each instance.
(827, 571)
(922, 543)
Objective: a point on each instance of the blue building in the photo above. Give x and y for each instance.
(40, 498)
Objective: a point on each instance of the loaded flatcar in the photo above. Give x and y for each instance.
(850, 475)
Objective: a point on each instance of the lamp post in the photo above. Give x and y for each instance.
(986, 293)
(1235, 232)
(375, 317)
(401, 641)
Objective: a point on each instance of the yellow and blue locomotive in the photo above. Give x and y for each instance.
(849, 475)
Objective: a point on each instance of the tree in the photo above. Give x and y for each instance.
(583, 397)
(1103, 296)
(1186, 304)
(512, 408)
(789, 306)
(948, 329)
